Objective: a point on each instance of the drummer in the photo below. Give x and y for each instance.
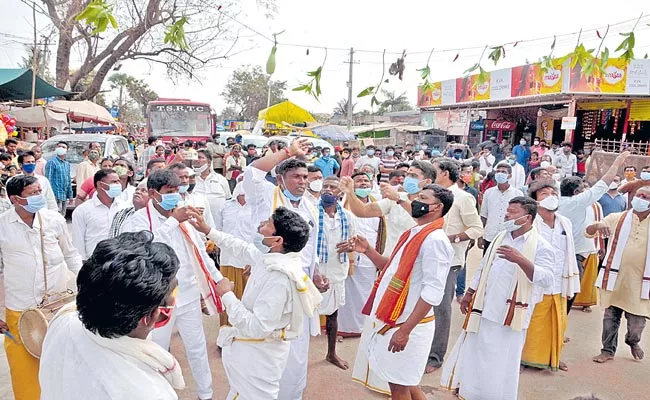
(31, 236)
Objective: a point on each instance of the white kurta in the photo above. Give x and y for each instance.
(235, 220)
(427, 281)
(254, 367)
(75, 367)
(359, 284)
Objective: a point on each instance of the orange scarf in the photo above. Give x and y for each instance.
(393, 301)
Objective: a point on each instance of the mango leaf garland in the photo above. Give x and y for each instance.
(373, 90)
(627, 45)
(312, 87)
(175, 34)
(98, 14)
(497, 53)
(425, 73)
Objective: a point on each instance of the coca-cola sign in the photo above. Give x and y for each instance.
(501, 126)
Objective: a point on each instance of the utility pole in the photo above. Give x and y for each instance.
(350, 89)
(35, 54)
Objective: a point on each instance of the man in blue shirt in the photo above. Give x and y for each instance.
(522, 152)
(57, 171)
(613, 201)
(327, 164)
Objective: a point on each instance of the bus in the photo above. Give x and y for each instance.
(181, 118)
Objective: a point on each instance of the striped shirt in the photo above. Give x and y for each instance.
(118, 221)
(57, 171)
(388, 164)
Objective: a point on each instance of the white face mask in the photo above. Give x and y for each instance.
(201, 169)
(640, 205)
(613, 186)
(316, 186)
(511, 225)
(545, 164)
(550, 203)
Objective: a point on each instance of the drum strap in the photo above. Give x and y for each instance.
(40, 223)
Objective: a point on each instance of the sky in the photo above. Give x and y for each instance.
(370, 27)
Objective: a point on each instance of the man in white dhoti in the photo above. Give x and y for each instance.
(334, 227)
(501, 297)
(196, 276)
(99, 349)
(363, 272)
(402, 299)
(271, 312)
(263, 198)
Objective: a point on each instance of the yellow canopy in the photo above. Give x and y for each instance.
(285, 112)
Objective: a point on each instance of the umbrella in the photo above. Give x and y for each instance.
(83, 111)
(39, 117)
(332, 132)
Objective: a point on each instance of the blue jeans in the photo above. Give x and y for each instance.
(460, 281)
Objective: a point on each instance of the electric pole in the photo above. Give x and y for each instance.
(350, 89)
(35, 54)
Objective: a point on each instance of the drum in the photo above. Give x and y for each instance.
(32, 327)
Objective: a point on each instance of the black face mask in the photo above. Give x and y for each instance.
(189, 189)
(419, 209)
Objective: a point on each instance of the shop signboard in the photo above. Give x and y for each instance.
(638, 77)
(569, 123)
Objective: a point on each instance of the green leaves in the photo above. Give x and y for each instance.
(175, 34)
(367, 91)
(482, 77)
(424, 72)
(98, 14)
(373, 90)
(472, 69)
(497, 53)
(374, 101)
(627, 45)
(312, 87)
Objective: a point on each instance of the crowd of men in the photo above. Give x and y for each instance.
(297, 240)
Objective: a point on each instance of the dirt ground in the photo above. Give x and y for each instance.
(622, 378)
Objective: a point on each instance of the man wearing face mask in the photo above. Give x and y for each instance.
(613, 201)
(27, 162)
(566, 161)
(629, 188)
(370, 159)
(624, 281)
(314, 185)
(545, 334)
(388, 163)
(576, 204)
(392, 353)
(212, 185)
(518, 175)
(196, 276)
(537, 148)
(140, 200)
(126, 289)
(263, 197)
(23, 227)
(195, 200)
(57, 171)
(522, 153)
(270, 314)
(328, 165)
(125, 171)
(92, 220)
(363, 272)
(87, 167)
(517, 267)
(495, 204)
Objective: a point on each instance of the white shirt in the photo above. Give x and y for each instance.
(568, 165)
(91, 222)
(494, 207)
(198, 201)
(462, 217)
(518, 178)
(497, 290)
(557, 238)
(576, 207)
(168, 231)
(46, 190)
(235, 220)
(21, 256)
(429, 274)
(215, 188)
(127, 194)
(259, 196)
(85, 170)
(368, 228)
(484, 160)
(374, 161)
(397, 221)
(335, 270)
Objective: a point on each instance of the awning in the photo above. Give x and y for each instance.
(39, 117)
(332, 132)
(16, 84)
(83, 111)
(285, 111)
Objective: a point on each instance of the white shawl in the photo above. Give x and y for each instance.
(617, 243)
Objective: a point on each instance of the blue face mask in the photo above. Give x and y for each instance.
(291, 196)
(114, 190)
(326, 156)
(182, 189)
(370, 153)
(500, 177)
(645, 176)
(411, 185)
(34, 203)
(362, 192)
(169, 200)
(511, 162)
(328, 199)
(30, 168)
(259, 244)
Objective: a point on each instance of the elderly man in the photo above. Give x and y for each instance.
(100, 350)
(140, 200)
(624, 282)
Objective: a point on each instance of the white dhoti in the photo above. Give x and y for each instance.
(333, 298)
(487, 363)
(294, 378)
(361, 372)
(357, 291)
(254, 369)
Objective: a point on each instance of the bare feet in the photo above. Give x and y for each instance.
(637, 352)
(602, 358)
(338, 361)
(459, 298)
(563, 366)
(586, 309)
(431, 368)
(339, 338)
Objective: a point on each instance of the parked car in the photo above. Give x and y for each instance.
(315, 142)
(257, 140)
(113, 146)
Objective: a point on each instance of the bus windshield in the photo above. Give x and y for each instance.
(179, 120)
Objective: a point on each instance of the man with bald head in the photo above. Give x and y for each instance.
(624, 280)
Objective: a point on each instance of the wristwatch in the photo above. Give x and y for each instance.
(457, 239)
(403, 196)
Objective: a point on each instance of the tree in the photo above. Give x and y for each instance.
(229, 113)
(43, 62)
(342, 107)
(133, 97)
(247, 91)
(143, 27)
(394, 103)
